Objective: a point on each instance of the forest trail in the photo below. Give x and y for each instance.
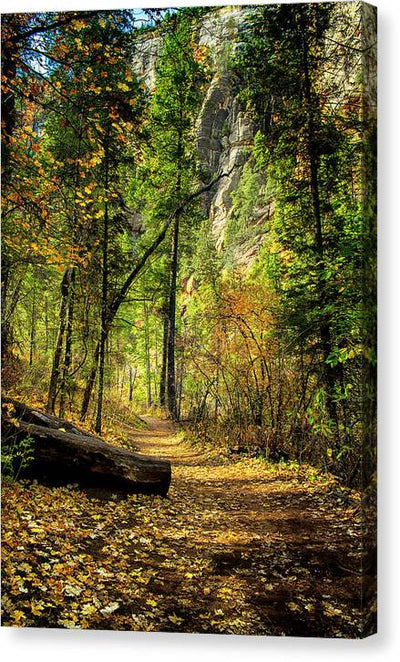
(265, 539)
(237, 546)
(158, 439)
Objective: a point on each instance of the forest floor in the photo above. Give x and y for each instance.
(238, 546)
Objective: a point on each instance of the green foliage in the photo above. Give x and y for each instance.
(245, 199)
(16, 455)
(276, 355)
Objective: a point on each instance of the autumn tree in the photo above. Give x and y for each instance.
(27, 57)
(309, 147)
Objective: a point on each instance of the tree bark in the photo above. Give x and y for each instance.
(325, 330)
(163, 376)
(8, 118)
(132, 377)
(90, 384)
(68, 344)
(64, 454)
(147, 355)
(171, 377)
(32, 335)
(55, 371)
(104, 304)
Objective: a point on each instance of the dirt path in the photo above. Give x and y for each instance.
(236, 547)
(272, 546)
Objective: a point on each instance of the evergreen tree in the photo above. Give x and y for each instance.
(172, 166)
(310, 150)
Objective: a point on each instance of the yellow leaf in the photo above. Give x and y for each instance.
(110, 608)
(37, 608)
(67, 623)
(78, 25)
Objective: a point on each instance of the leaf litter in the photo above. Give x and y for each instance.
(237, 547)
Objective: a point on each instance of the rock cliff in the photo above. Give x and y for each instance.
(224, 134)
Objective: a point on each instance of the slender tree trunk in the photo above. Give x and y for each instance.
(32, 335)
(325, 331)
(66, 310)
(46, 325)
(171, 376)
(132, 377)
(8, 118)
(90, 383)
(163, 376)
(217, 379)
(147, 354)
(179, 388)
(55, 371)
(68, 344)
(8, 111)
(5, 318)
(171, 379)
(104, 307)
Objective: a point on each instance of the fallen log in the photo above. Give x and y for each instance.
(62, 456)
(31, 415)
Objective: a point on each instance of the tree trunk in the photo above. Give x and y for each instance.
(147, 355)
(163, 376)
(171, 380)
(46, 324)
(179, 390)
(90, 384)
(132, 378)
(73, 456)
(325, 331)
(68, 344)
(104, 307)
(8, 111)
(32, 335)
(55, 371)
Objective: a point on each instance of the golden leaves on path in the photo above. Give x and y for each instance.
(236, 547)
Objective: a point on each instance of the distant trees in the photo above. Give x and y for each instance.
(304, 394)
(310, 146)
(171, 167)
(78, 104)
(112, 283)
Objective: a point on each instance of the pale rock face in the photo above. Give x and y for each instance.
(221, 29)
(224, 134)
(224, 139)
(144, 63)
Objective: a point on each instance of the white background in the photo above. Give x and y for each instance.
(75, 646)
